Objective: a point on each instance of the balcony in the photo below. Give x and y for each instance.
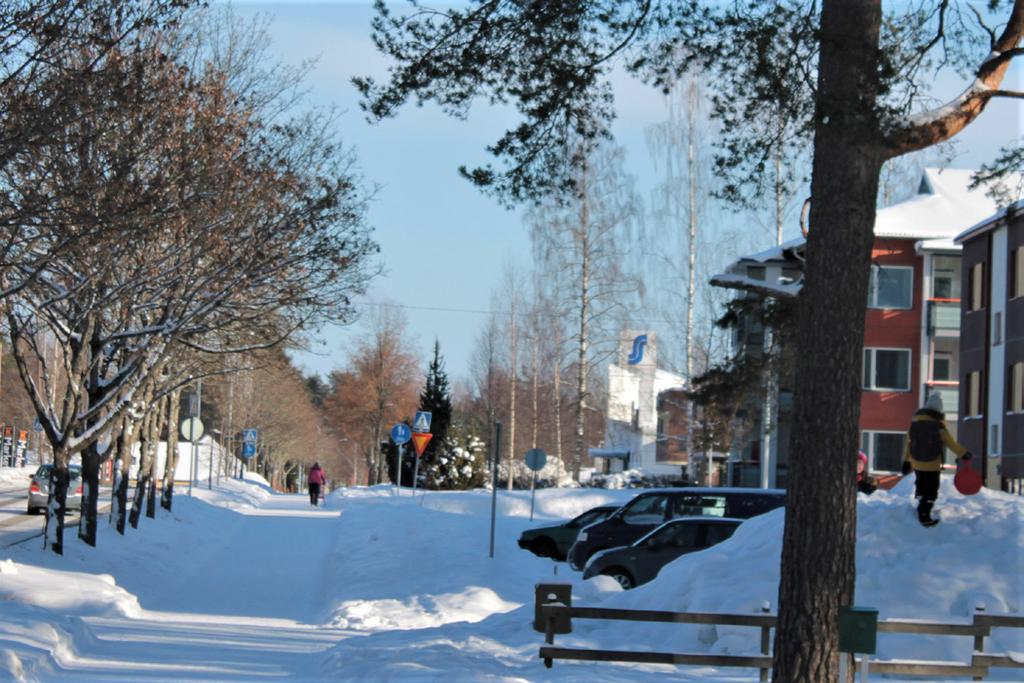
(950, 394)
(944, 317)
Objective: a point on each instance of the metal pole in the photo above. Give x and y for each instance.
(533, 493)
(196, 411)
(494, 480)
(415, 474)
(398, 470)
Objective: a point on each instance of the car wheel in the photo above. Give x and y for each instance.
(544, 547)
(623, 577)
(34, 511)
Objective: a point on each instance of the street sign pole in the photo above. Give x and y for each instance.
(398, 469)
(535, 460)
(533, 493)
(415, 474)
(195, 411)
(494, 480)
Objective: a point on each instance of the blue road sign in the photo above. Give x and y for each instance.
(248, 449)
(249, 436)
(401, 433)
(422, 421)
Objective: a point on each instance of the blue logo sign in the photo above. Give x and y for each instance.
(638, 349)
(401, 433)
(248, 449)
(422, 421)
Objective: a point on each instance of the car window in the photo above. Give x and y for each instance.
(589, 517)
(748, 505)
(709, 506)
(678, 535)
(719, 532)
(646, 510)
(43, 471)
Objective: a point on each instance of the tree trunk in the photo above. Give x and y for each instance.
(557, 377)
(56, 504)
(513, 381)
(583, 339)
(122, 465)
(171, 464)
(817, 573)
(146, 448)
(161, 421)
(91, 461)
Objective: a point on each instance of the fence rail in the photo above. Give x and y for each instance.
(555, 613)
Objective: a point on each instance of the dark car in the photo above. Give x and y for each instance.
(639, 563)
(655, 507)
(39, 489)
(554, 541)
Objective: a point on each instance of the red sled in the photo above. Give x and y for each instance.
(967, 480)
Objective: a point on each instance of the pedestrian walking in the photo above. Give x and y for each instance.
(316, 480)
(927, 441)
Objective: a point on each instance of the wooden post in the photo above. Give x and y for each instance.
(766, 643)
(979, 638)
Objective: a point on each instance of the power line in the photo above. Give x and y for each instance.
(478, 311)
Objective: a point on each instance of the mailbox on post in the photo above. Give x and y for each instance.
(858, 630)
(552, 592)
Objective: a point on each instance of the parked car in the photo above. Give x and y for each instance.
(39, 489)
(652, 508)
(640, 562)
(554, 541)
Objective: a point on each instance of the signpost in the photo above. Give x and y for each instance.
(419, 442)
(400, 434)
(192, 431)
(535, 460)
(249, 439)
(494, 480)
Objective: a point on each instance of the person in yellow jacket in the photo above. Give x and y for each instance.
(927, 441)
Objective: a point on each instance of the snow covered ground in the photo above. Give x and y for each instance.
(242, 584)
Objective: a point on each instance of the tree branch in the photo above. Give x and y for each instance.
(940, 124)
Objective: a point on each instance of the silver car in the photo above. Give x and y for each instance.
(39, 489)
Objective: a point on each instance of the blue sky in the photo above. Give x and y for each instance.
(443, 243)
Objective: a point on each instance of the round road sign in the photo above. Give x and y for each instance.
(401, 433)
(192, 429)
(536, 459)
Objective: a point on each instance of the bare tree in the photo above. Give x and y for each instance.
(582, 244)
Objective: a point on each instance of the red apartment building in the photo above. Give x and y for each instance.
(912, 326)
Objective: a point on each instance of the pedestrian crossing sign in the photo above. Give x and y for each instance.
(422, 421)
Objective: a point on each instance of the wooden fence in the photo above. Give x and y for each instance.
(554, 614)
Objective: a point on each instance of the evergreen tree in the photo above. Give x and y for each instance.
(436, 399)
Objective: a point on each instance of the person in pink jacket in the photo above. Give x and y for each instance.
(316, 480)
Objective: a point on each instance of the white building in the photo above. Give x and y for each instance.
(632, 429)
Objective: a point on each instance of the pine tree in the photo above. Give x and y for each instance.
(436, 399)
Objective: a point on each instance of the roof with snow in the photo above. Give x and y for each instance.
(990, 222)
(934, 217)
(942, 207)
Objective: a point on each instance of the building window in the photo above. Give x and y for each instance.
(884, 450)
(977, 287)
(887, 369)
(891, 287)
(997, 329)
(945, 277)
(1017, 272)
(1016, 394)
(942, 367)
(974, 394)
(993, 440)
(756, 273)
